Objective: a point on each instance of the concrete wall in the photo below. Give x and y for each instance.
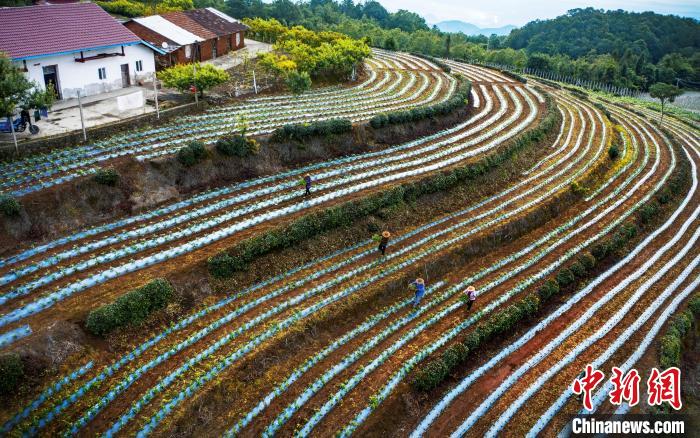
(74, 76)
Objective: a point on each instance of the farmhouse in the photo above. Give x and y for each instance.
(74, 46)
(194, 35)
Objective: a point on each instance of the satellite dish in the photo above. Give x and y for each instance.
(164, 45)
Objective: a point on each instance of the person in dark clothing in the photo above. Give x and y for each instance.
(384, 242)
(307, 183)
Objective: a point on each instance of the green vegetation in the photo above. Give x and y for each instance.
(11, 372)
(107, 177)
(136, 8)
(459, 100)
(301, 55)
(9, 206)
(321, 128)
(203, 76)
(192, 154)
(227, 263)
(620, 48)
(664, 92)
(237, 146)
(131, 308)
(671, 344)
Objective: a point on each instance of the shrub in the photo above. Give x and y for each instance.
(222, 265)
(182, 76)
(694, 305)
(578, 269)
(430, 375)
(459, 100)
(131, 308)
(548, 289)
(298, 82)
(10, 206)
(614, 152)
(587, 260)
(107, 177)
(11, 372)
(191, 154)
(670, 351)
(323, 128)
(237, 146)
(124, 8)
(648, 212)
(565, 277)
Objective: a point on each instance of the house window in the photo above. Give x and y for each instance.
(238, 39)
(139, 65)
(188, 51)
(102, 73)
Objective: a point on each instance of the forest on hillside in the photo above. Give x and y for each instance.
(621, 48)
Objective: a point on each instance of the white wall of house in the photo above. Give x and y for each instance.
(85, 76)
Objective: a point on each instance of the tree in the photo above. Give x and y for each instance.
(664, 92)
(298, 82)
(180, 77)
(16, 91)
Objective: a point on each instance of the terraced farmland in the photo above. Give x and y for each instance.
(229, 367)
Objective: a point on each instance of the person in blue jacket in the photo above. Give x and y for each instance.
(307, 183)
(419, 284)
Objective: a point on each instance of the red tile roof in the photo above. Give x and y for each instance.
(179, 18)
(215, 23)
(33, 31)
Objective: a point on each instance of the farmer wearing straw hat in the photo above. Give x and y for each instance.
(419, 284)
(307, 183)
(470, 296)
(384, 241)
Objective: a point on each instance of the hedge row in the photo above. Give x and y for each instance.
(512, 75)
(500, 323)
(237, 146)
(434, 372)
(225, 264)
(446, 68)
(459, 100)
(671, 343)
(131, 308)
(321, 128)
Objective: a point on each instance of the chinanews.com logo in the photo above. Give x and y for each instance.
(622, 390)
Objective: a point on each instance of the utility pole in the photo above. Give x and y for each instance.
(14, 134)
(82, 120)
(155, 95)
(255, 83)
(194, 83)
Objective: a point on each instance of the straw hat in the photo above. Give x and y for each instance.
(420, 281)
(386, 234)
(471, 289)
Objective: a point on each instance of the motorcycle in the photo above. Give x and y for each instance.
(20, 124)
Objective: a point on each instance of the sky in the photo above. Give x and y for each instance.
(496, 13)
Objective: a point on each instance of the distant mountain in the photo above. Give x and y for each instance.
(470, 29)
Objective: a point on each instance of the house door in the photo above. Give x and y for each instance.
(51, 79)
(213, 49)
(125, 75)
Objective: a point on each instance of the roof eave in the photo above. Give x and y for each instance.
(67, 52)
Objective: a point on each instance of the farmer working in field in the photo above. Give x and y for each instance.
(419, 284)
(307, 183)
(384, 241)
(470, 297)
